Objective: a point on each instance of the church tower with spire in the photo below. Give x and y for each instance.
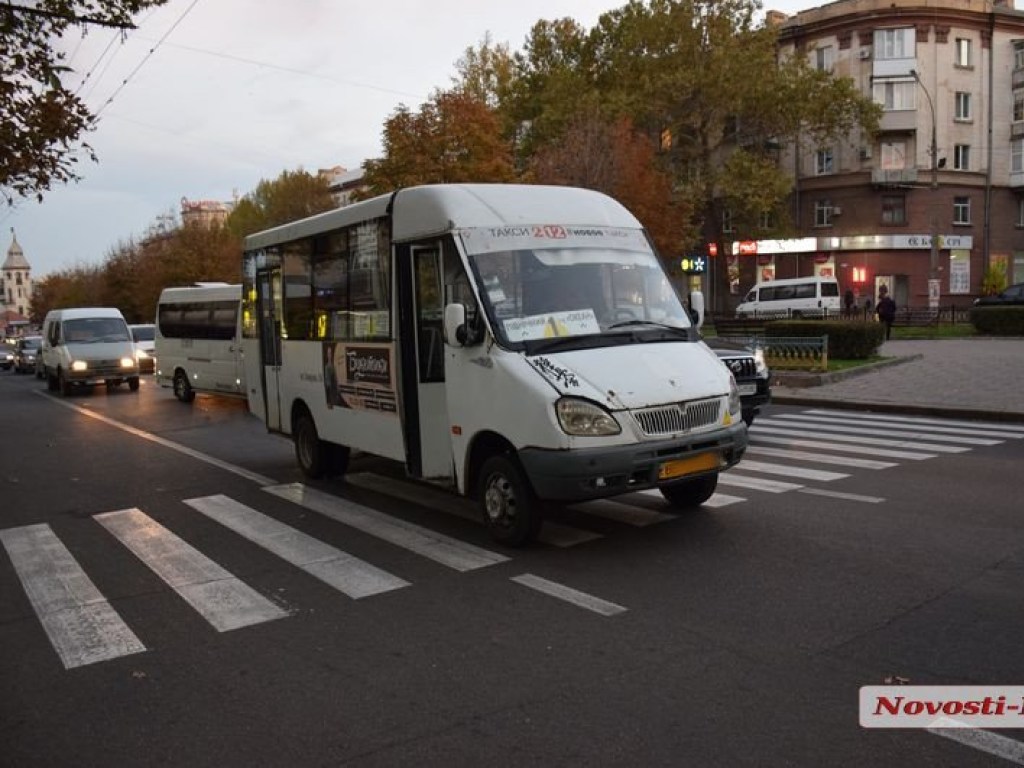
(15, 287)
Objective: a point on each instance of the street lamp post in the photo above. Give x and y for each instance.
(933, 150)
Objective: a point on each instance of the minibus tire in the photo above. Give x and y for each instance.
(182, 389)
(133, 383)
(312, 454)
(687, 494)
(63, 384)
(503, 484)
(51, 382)
(337, 459)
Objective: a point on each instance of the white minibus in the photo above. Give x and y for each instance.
(198, 346)
(814, 296)
(475, 333)
(85, 346)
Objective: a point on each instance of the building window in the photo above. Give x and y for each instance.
(1018, 54)
(963, 106)
(1017, 156)
(824, 162)
(961, 210)
(963, 52)
(894, 43)
(1018, 107)
(823, 212)
(824, 58)
(1020, 212)
(894, 209)
(962, 157)
(894, 155)
(894, 95)
(766, 221)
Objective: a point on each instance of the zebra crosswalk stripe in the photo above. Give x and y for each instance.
(923, 429)
(82, 626)
(759, 438)
(788, 471)
(1008, 430)
(858, 429)
(819, 458)
(226, 602)
(861, 439)
(344, 572)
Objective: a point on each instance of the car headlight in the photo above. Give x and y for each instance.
(583, 418)
(140, 354)
(127, 362)
(735, 407)
(759, 363)
(79, 365)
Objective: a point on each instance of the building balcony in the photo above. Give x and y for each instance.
(893, 175)
(1017, 180)
(898, 121)
(1017, 129)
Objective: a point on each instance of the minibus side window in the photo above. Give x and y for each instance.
(768, 293)
(805, 291)
(830, 289)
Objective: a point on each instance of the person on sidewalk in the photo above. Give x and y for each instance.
(886, 310)
(848, 302)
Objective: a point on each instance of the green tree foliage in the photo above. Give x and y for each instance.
(291, 196)
(41, 120)
(455, 137)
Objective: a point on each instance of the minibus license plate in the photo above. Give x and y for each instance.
(680, 467)
(748, 389)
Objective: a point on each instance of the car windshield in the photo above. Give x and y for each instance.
(31, 343)
(142, 332)
(552, 282)
(94, 330)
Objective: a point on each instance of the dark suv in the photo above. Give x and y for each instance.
(1012, 295)
(748, 368)
(25, 352)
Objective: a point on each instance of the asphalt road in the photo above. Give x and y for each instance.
(399, 634)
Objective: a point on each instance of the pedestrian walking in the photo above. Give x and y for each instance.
(886, 310)
(848, 301)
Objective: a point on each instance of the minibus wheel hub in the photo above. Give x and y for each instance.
(501, 500)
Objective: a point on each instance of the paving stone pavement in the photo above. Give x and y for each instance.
(959, 378)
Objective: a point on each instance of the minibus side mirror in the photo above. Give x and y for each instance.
(697, 308)
(455, 331)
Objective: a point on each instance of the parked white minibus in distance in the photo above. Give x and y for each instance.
(475, 333)
(198, 341)
(793, 297)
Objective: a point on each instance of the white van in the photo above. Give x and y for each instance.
(86, 346)
(813, 296)
(478, 334)
(198, 340)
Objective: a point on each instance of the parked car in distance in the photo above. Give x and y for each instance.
(1014, 294)
(6, 356)
(26, 350)
(750, 371)
(143, 336)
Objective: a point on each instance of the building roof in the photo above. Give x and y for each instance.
(15, 256)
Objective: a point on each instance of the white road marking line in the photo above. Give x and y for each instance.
(1012, 430)
(788, 471)
(82, 626)
(224, 601)
(840, 495)
(340, 570)
(925, 429)
(570, 595)
(842, 447)
(435, 546)
(756, 483)
(241, 471)
(859, 429)
(985, 741)
(858, 439)
(818, 458)
(552, 533)
(716, 501)
(623, 512)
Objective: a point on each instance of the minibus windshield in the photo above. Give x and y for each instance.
(548, 282)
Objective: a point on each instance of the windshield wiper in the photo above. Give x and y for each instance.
(663, 326)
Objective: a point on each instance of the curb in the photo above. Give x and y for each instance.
(801, 380)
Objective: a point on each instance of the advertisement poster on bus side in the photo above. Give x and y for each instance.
(360, 376)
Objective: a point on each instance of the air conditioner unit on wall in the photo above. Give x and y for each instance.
(865, 153)
(865, 53)
(836, 210)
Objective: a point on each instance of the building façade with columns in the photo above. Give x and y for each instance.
(15, 289)
(949, 75)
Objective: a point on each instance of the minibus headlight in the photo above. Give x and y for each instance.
(127, 362)
(735, 408)
(583, 418)
(79, 365)
(759, 363)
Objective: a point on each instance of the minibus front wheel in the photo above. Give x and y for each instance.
(317, 458)
(511, 511)
(687, 494)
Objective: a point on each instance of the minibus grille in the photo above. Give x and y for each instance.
(678, 417)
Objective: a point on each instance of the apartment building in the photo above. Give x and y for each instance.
(935, 199)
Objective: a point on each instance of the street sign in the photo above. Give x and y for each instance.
(694, 265)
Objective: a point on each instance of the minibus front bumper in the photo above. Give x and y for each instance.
(593, 473)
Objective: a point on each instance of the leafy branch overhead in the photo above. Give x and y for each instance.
(42, 122)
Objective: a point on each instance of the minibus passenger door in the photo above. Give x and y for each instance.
(269, 309)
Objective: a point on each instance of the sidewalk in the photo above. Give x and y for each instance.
(955, 378)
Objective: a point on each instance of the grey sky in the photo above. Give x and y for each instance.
(235, 91)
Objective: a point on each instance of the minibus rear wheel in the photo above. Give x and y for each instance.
(687, 494)
(317, 458)
(182, 389)
(510, 509)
